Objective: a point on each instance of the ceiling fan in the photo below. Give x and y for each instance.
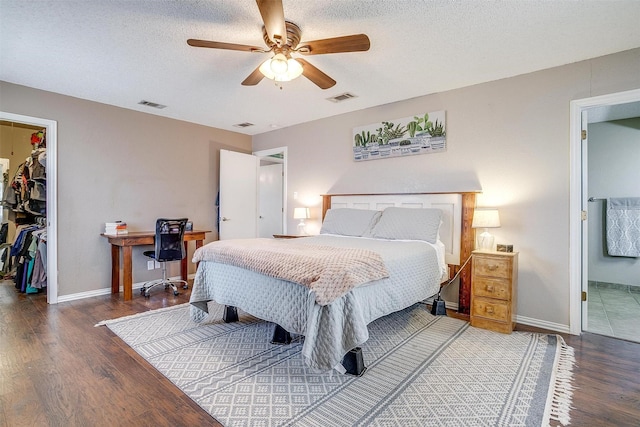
(283, 38)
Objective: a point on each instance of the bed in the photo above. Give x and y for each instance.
(418, 238)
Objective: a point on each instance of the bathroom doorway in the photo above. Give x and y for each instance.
(604, 298)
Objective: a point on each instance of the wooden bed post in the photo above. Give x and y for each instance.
(466, 247)
(326, 204)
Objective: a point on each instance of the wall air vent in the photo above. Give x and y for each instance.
(342, 97)
(243, 125)
(152, 104)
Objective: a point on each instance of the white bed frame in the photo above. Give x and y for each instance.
(455, 232)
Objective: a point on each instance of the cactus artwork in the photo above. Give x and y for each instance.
(419, 134)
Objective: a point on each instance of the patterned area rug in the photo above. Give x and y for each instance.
(423, 370)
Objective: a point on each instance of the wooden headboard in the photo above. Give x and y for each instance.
(455, 232)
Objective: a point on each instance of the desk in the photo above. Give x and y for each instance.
(137, 238)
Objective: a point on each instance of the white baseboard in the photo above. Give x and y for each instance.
(557, 327)
(104, 291)
(451, 305)
(543, 324)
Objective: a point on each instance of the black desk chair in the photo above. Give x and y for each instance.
(169, 246)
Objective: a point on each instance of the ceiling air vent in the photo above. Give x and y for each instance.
(152, 104)
(243, 125)
(342, 97)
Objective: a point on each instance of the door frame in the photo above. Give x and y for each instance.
(578, 256)
(51, 127)
(271, 152)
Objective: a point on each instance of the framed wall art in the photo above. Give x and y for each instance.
(421, 134)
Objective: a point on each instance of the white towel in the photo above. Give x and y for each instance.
(623, 226)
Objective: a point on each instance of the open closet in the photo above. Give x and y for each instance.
(23, 230)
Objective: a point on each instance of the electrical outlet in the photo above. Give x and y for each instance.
(157, 264)
(150, 265)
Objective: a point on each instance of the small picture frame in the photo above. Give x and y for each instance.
(189, 226)
(504, 248)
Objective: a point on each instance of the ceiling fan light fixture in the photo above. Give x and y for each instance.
(281, 69)
(279, 64)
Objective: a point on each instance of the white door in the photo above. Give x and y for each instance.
(270, 197)
(238, 195)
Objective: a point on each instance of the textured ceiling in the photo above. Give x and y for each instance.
(122, 52)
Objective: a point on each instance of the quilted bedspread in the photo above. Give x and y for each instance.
(415, 270)
(328, 271)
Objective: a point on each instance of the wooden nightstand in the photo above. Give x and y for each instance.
(494, 282)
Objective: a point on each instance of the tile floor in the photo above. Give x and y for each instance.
(614, 310)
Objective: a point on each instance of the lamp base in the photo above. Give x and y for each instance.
(302, 228)
(485, 241)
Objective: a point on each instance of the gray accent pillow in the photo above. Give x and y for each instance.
(349, 222)
(409, 224)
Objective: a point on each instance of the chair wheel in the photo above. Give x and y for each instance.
(176, 293)
(141, 291)
(185, 286)
(147, 295)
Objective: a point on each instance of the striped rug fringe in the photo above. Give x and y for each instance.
(560, 388)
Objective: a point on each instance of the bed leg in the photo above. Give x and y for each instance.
(280, 335)
(353, 362)
(230, 314)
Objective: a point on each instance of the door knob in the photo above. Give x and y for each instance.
(224, 218)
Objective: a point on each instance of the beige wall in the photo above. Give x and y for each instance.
(118, 164)
(508, 137)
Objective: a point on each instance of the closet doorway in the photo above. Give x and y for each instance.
(51, 130)
(591, 288)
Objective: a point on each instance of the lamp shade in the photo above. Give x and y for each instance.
(301, 213)
(486, 218)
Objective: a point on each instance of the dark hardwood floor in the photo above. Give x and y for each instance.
(57, 369)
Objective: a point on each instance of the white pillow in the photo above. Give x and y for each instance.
(409, 224)
(349, 222)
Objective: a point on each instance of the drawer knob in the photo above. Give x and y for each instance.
(488, 309)
(489, 288)
(492, 267)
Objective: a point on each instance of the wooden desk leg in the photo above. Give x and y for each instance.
(183, 263)
(115, 269)
(128, 280)
(198, 245)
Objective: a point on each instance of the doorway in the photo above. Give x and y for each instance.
(51, 127)
(609, 107)
(272, 192)
(241, 190)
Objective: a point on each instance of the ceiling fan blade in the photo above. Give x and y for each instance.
(254, 78)
(222, 45)
(315, 75)
(273, 17)
(354, 43)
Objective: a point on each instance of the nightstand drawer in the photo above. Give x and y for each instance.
(492, 288)
(493, 267)
(491, 309)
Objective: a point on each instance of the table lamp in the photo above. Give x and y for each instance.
(301, 214)
(485, 218)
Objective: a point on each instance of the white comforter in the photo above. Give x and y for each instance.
(415, 268)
